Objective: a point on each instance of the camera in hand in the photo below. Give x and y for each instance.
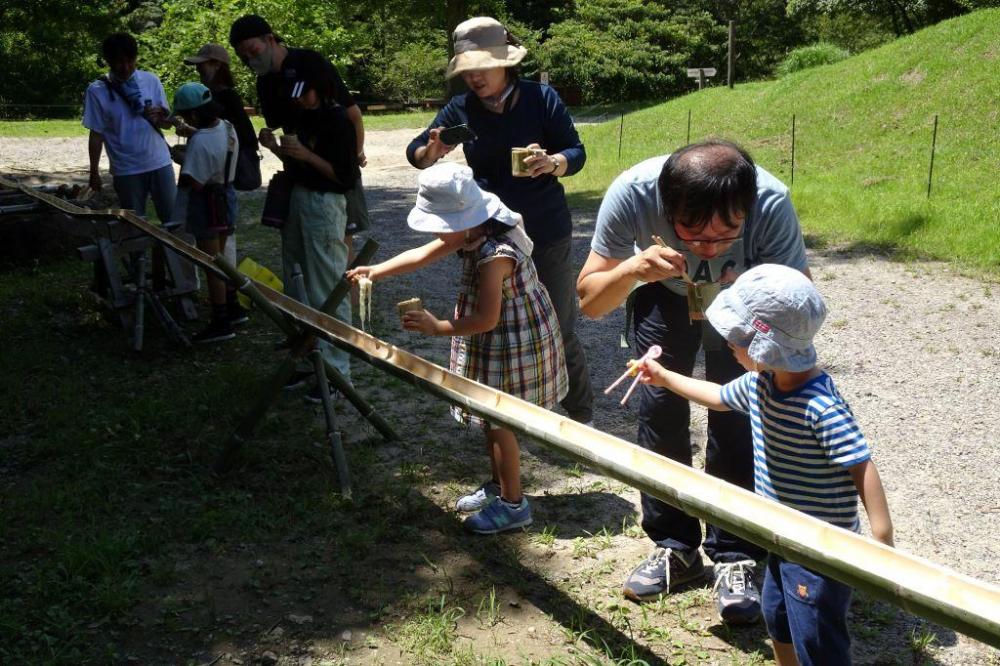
(452, 136)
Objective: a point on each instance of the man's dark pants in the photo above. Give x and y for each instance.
(660, 317)
(554, 264)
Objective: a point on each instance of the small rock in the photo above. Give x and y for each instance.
(299, 619)
(514, 603)
(346, 636)
(268, 658)
(531, 630)
(236, 660)
(276, 633)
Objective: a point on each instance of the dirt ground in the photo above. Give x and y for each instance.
(912, 346)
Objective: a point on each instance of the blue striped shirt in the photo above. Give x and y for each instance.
(804, 443)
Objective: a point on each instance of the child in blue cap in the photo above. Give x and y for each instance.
(809, 452)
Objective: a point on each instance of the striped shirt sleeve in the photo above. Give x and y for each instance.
(840, 436)
(736, 394)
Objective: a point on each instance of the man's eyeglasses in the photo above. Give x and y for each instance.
(698, 242)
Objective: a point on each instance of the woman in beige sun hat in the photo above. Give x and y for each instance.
(505, 112)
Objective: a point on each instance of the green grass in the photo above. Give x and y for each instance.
(71, 127)
(375, 121)
(863, 139)
(42, 129)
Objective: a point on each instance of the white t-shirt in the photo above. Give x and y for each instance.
(133, 145)
(205, 159)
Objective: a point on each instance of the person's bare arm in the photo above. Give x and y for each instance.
(354, 115)
(869, 485)
(707, 394)
(301, 153)
(427, 155)
(484, 318)
(95, 144)
(605, 283)
(404, 262)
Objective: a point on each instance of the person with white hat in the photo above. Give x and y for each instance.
(504, 333)
(506, 112)
(809, 452)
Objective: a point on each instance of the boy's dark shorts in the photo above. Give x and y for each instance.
(202, 223)
(808, 610)
(357, 210)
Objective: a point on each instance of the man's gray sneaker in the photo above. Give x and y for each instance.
(663, 572)
(478, 498)
(737, 596)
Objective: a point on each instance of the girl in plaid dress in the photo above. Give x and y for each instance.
(505, 333)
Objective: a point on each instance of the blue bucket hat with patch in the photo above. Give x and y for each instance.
(774, 311)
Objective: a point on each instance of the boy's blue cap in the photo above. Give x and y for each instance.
(775, 311)
(191, 96)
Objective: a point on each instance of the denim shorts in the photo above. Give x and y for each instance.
(808, 610)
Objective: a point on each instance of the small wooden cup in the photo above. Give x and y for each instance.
(409, 306)
(517, 158)
(699, 297)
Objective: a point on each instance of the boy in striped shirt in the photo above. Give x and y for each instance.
(809, 452)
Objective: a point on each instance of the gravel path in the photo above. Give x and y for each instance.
(912, 347)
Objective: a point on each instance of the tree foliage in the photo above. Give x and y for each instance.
(630, 49)
(397, 49)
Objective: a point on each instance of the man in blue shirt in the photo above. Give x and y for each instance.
(124, 111)
(715, 215)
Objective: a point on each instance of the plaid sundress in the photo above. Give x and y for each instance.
(524, 355)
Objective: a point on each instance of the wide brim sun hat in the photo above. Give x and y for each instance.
(483, 43)
(775, 311)
(208, 52)
(448, 199)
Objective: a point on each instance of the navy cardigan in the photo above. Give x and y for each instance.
(539, 116)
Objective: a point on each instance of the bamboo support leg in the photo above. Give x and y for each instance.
(268, 394)
(139, 277)
(302, 343)
(332, 431)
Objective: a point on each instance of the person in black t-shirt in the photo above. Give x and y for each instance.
(275, 65)
(319, 152)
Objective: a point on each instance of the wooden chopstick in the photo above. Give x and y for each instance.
(659, 241)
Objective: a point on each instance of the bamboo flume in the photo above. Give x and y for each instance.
(913, 583)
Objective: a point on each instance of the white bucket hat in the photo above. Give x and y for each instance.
(775, 311)
(448, 199)
(483, 43)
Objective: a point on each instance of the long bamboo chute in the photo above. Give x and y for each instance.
(913, 583)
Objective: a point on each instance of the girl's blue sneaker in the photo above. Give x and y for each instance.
(498, 516)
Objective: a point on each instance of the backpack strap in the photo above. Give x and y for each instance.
(115, 87)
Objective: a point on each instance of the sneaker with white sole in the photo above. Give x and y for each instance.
(478, 498)
(499, 516)
(663, 572)
(216, 331)
(298, 379)
(313, 394)
(737, 597)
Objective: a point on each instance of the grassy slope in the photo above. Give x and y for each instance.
(863, 142)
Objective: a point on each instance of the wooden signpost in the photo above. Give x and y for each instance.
(701, 73)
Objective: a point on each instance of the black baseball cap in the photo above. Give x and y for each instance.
(302, 70)
(247, 27)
